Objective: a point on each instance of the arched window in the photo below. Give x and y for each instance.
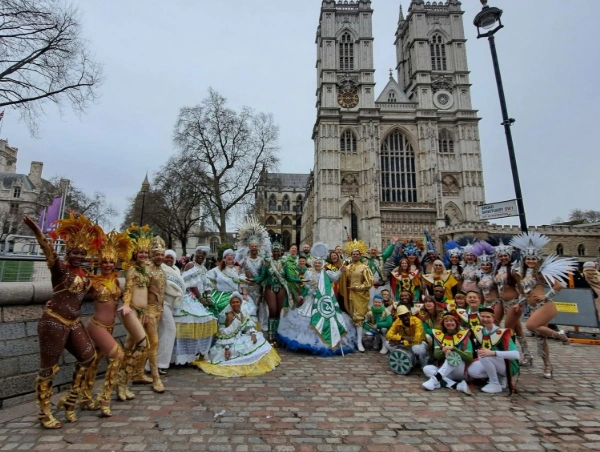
(286, 222)
(214, 245)
(346, 51)
(285, 203)
(273, 202)
(287, 239)
(348, 141)
(299, 204)
(560, 250)
(581, 250)
(438, 53)
(446, 142)
(392, 97)
(398, 174)
(271, 221)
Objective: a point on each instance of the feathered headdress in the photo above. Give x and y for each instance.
(115, 246)
(319, 251)
(467, 243)
(277, 242)
(78, 231)
(140, 237)
(530, 243)
(430, 245)
(356, 245)
(498, 242)
(484, 251)
(413, 248)
(252, 232)
(452, 249)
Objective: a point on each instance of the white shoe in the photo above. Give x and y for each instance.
(503, 381)
(464, 388)
(492, 388)
(431, 384)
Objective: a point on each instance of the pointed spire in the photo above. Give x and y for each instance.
(391, 73)
(401, 16)
(146, 183)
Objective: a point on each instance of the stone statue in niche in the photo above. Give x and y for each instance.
(450, 186)
(350, 184)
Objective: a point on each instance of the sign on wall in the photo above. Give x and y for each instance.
(499, 210)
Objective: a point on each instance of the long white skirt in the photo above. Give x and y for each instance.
(195, 329)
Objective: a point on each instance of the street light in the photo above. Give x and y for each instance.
(352, 229)
(145, 189)
(489, 19)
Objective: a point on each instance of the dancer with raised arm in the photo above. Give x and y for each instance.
(60, 326)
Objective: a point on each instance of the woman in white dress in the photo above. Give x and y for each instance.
(225, 279)
(196, 325)
(240, 350)
(318, 326)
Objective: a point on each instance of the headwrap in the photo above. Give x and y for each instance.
(228, 252)
(171, 253)
(237, 295)
(204, 249)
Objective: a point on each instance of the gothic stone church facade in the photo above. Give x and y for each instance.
(407, 159)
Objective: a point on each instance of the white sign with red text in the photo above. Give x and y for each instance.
(499, 210)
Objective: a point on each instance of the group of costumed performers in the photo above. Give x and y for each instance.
(317, 301)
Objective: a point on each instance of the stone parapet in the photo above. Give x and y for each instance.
(21, 306)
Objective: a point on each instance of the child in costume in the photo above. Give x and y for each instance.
(377, 323)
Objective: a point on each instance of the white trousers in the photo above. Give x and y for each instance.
(166, 337)
(489, 368)
(447, 371)
(420, 351)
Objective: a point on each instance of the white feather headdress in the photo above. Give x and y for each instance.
(530, 243)
(252, 232)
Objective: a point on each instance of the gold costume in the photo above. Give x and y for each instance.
(355, 286)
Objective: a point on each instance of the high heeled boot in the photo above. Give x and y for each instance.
(139, 377)
(157, 385)
(69, 401)
(124, 376)
(86, 398)
(43, 392)
(110, 381)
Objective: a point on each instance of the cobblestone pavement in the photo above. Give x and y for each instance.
(340, 404)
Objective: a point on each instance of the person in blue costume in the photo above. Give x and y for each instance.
(318, 326)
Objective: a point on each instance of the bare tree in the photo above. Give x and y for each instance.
(228, 150)
(593, 216)
(43, 57)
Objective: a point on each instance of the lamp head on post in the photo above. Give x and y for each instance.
(488, 19)
(351, 198)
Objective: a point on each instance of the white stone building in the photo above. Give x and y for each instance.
(409, 156)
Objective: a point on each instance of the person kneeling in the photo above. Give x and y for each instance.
(377, 323)
(240, 350)
(498, 354)
(454, 350)
(408, 331)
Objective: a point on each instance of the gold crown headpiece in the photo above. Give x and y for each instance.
(356, 245)
(78, 231)
(140, 236)
(115, 246)
(157, 244)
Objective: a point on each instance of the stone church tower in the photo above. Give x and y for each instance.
(408, 159)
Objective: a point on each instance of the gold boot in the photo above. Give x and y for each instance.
(110, 380)
(86, 398)
(139, 362)
(157, 385)
(69, 401)
(43, 392)
(124, 376)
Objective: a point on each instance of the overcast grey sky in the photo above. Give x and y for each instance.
(159, 56)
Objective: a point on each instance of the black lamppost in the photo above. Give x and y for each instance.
(353, 230)
(489, 19)
(145, 189)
